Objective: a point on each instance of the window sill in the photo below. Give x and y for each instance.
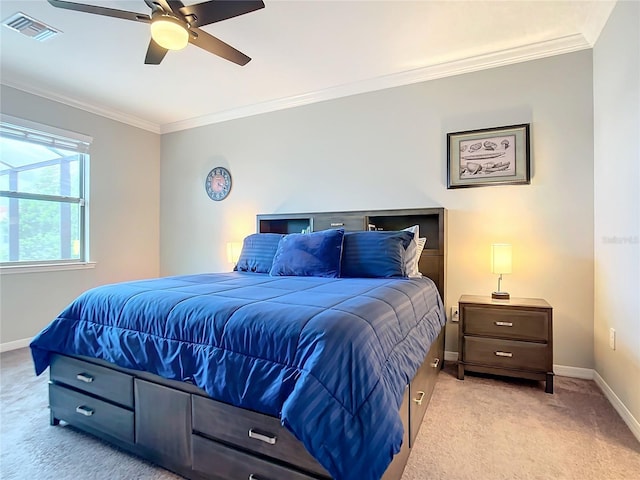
(45, 267)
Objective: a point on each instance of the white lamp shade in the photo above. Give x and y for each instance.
(233, 251)
(169, 33)
(501, 258)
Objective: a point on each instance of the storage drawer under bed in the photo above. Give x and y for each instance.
(251, 431)
(103, 382)
(219, 461)
(421, 388)
(85, 411)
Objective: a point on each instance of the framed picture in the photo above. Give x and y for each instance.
(491, 156)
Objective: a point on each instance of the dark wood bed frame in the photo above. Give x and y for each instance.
(177, 426)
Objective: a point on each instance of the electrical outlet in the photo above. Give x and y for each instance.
(455, 314)
(612, 338)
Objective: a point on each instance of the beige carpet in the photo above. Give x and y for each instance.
(492, 428)
(479, 428)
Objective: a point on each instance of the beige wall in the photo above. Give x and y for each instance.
(124, 215)
(616, 73)
(387, 149)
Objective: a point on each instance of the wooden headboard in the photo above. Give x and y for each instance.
(431, 221)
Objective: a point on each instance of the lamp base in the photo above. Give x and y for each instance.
(500, 296)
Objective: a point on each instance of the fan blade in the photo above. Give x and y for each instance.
(108, 12)
(217, 10)
(202, 39)
(155, 53)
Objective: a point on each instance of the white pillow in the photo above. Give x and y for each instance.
(413, 252)
(421, 244)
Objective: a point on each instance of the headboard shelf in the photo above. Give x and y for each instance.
(432, 222)
(289, 224)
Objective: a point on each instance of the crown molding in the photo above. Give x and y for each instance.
(524, 53)
(509, 56)
(86, 106)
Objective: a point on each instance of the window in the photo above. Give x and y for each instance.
(42, 194)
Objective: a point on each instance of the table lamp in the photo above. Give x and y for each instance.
(500, 264)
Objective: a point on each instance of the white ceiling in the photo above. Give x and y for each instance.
(302, 51)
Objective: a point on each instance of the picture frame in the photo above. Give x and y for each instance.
(490, 156)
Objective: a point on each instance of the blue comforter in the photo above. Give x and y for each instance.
(330, 357)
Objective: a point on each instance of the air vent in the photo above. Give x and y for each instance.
(30, 27)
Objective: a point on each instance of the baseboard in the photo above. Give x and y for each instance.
(450, 356)
(16, 344)
(573, 372)
(622, 410)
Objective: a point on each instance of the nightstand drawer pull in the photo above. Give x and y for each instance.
(86, 411)
(419, 398)
(503, 354)
(337, 224)
(263, 438)
(84, 377)
(435, 363)
(504, 324)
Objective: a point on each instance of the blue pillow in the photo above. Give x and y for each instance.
(375, 254)
(314, 254)
(258, 251)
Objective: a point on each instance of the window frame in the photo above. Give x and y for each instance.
(40, 134)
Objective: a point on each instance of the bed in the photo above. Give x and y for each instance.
(307, 370)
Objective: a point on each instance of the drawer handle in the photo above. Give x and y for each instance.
(84, 377)
(419, 398)
(255, 477)
(86, 411)
(263, 438)
(504, 324)
(337, 224)
(435, 363)
(503, 354)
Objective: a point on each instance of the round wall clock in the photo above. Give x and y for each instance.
(218, 184)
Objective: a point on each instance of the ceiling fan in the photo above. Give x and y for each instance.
(174, 25)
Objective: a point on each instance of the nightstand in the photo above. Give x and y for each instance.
(506, 337)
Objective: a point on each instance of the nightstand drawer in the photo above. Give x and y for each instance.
(506, 323)
(506, 354)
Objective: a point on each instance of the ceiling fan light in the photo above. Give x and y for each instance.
(169, 33)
